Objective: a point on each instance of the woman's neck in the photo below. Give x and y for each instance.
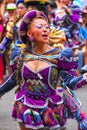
(42, 49)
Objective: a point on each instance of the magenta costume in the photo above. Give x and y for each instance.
(40, 102)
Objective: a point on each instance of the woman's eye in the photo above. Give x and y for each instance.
(39, 26)
(47, 26)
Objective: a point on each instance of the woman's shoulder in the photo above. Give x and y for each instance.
(67, 53)
(15, 53)
(53, 50)
(67, 60)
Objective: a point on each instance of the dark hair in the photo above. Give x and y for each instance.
(1, 1)
(53, 4)
(38, 6)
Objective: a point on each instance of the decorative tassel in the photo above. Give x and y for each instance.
(73, 110)
(82, 120)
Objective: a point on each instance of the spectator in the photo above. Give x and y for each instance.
(84, 33)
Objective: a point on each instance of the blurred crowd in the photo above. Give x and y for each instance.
(68, 24)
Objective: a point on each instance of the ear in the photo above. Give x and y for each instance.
(29, 33)
(30, 36)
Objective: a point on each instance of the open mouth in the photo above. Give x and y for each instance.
(45, 36)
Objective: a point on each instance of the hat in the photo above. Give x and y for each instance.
(19, 1)
(40, 1)
(11, 6)
(26, 20)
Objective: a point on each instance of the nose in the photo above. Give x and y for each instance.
(45, 28)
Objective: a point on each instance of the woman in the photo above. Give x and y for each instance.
(10, 9)
(83, 30)
(66, 17)
(29, 4)
(12, 39)
(39, 70)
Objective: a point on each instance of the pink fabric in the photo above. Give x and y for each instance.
(1, 58)
(1, 68)
(1, 28)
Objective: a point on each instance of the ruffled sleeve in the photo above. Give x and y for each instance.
(67, 65)
(66, 60)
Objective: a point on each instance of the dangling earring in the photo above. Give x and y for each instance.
(31, 39)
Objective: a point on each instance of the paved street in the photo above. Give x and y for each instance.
(6, 123)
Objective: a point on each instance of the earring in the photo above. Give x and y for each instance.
(31, 39)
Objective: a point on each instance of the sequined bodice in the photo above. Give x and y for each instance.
(40, 85)
(42, 82)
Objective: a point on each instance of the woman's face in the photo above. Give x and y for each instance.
(39, 30)
(21, 9)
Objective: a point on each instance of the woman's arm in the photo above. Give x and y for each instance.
(68, 65)
(71, 81)
(9, 84)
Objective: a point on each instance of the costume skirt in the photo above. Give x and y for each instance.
(51, 116)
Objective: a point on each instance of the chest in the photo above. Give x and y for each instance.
(37, 65)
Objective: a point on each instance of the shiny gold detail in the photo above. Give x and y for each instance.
(57, 38)
(10, 27)
(40, 1)
(9, 35)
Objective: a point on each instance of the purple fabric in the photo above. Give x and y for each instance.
(30, 92)
(80, 84)
(29, 73)
(67, 65)
(71, 103)
(59, 20)
(38, 103)
(74, 17)
(37, 118)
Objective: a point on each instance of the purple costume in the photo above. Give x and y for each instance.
(69, 23)
(40, 102)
